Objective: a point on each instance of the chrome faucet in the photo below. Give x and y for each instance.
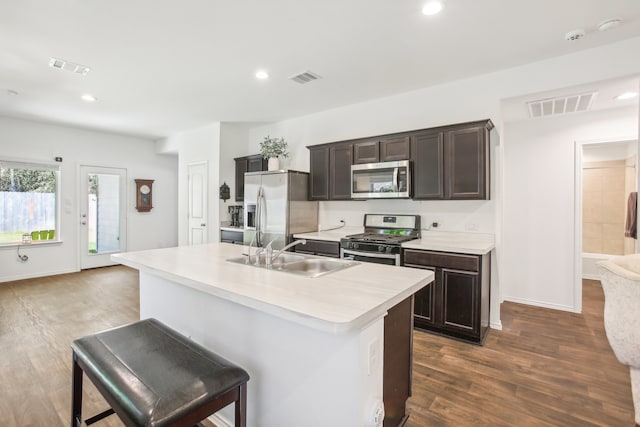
(269, 259)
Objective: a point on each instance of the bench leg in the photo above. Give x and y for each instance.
(241, 407)
(76, 394)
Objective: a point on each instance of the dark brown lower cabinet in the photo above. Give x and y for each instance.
(319, 247)
(457, 305)
(398, 345)
(235, 237)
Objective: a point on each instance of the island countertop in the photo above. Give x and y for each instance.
(338, 302)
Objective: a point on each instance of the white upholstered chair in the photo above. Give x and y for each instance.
(620, 278)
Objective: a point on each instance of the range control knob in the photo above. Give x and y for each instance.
(388, 249)
(380, 248)
(354, 246)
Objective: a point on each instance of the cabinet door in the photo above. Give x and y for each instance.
(340, 160)
(319, 173)
(241, 168)
(460, 295)
(394, 149)
(466, 164)
(427, 153)
(256, 163)
(424, 302)
(366, 152)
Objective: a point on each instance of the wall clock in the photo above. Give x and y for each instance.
(144, 189)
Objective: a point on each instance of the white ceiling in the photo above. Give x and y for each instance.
(162, 66)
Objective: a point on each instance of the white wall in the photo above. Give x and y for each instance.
(38, 142)
(234, 142)
(539, 181)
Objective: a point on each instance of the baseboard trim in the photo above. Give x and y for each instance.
(496, 325)
(591, 276)
(35, 276)
(541, 304)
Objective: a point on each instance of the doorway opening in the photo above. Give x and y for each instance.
(102, 216)
(607, 177)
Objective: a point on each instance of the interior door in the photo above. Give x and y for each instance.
(102, 215)
(198, 203)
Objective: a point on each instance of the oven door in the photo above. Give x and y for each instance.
(388, 259)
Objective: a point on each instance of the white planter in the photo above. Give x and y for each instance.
(274, 164)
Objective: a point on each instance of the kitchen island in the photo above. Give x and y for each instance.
(314, 347)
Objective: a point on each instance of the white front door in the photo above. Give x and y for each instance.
(102, 215)
(197, 203)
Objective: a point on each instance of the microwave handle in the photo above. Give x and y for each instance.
(395, 178)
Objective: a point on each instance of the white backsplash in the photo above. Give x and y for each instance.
(476, 216)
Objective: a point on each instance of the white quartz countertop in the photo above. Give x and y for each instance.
(231, 228)
(444, 241)
(339, 302)
(448, 241)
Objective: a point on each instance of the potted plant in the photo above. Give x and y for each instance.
(273, 149)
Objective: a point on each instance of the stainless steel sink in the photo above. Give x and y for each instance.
(315, 267)
(284, 258)
(297, 264)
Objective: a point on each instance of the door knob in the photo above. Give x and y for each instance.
(203, 225)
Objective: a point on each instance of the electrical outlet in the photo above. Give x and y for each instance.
(436, 223)
(471, 226)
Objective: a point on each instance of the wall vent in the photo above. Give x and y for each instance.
(561, 105)
(61, 64)
(306, 77)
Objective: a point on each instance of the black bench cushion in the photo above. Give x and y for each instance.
(153, 375)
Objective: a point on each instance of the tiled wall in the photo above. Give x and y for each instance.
(606, 186)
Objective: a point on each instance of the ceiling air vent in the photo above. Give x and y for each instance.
(306, 77)
(61, 64)
(561, 105)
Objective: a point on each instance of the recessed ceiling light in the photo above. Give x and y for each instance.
(609, 24)
(88, 97)
(626, 95)
(262, 75)
(432, 8)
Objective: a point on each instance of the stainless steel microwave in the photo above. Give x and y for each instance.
(385, 180)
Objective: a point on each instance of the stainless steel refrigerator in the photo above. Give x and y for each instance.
(276, 207)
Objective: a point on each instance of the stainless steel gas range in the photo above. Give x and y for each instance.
(381, 240)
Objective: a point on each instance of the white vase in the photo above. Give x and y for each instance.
(274, 164)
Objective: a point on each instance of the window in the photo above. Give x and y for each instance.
(28, 202)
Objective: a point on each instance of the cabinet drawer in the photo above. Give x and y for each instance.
(417, 258)
(320, 247)
(227, 236)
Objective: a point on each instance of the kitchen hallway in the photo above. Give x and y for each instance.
(545, 368)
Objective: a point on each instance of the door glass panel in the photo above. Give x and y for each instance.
(103, 213)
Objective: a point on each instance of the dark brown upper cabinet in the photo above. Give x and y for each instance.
(428, 162)
(382, 150)
(330, 171)
(447, 162)
(253, 163)
(452, 162)
(467, 163)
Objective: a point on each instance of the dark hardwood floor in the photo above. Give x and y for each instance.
(545, 368)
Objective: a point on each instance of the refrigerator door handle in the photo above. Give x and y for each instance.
(258, 220)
